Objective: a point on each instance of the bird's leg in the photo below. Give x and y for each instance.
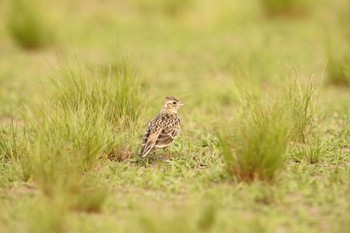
(166, 153)
(141, 161)
(153, 157)
(148, 159)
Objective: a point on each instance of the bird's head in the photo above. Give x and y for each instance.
(172, 104)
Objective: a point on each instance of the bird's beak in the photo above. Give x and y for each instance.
(182, 104)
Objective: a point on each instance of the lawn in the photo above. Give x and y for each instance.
(265, 138)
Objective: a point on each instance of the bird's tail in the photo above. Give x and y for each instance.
(147, 149)
(142, 151)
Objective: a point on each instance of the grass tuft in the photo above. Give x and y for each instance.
(14, 142)
(255, 145)
(12, 146)
(310, 154)
(290, 8)
(299, 102)
(115, 92)
(27, 25)
(338, 68)
(91, 113)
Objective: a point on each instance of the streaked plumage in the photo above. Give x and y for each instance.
(163, 129)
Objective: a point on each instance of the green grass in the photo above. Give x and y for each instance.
(13, 144)
(204, 221)
(49, 217)
(301, 103)
(81, 122)
(254, 148)
(169, 8)
(285, 7)
(310, 154)
(10, 148)
(338, 68)
(114, 91)
(70, 130)
(27, 25)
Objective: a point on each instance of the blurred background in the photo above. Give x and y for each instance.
(185, 45)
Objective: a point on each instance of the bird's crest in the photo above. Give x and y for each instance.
(171, 98)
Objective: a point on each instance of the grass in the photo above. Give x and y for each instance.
(254, 148)
(49, 217)
(69, 135)
(27, 25)
(13, 144)
(205, 220)
(310, 154)
(301, 104)
(75, 128)
(114, 91)
(285, 7)
(10, 147)
(169, 8)
(338, 68)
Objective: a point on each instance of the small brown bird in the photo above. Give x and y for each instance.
(163, 129)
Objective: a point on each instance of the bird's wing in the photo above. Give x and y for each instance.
(166, 136)
(150, 139)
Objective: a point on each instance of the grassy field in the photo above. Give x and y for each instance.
(265, 140)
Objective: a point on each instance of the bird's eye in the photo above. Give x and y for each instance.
(174, 103)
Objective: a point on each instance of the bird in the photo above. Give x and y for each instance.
(164, 127)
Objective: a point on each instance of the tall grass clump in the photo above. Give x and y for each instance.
(114, 92)
(27, 24)
(285, 7)
(338, 67)
(14, 142)
(256, 141)
(91, 113)
(311, 153)
(299, 100)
